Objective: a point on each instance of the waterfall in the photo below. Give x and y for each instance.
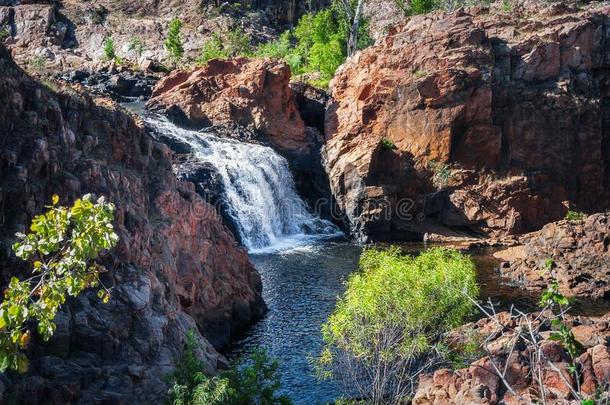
(258, 188)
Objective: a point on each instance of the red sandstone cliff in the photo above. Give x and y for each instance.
(176, 267)
(511, 108)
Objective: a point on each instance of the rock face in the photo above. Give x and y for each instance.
(476, 121)
(479, 383)
(248, 92)
(574, 253)
(176, 267)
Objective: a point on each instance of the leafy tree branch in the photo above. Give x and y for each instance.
(62, 248)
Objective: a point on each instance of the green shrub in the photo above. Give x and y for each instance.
(232, 44)
(213, 48)
(62, 247)
(255, 381)
(318, 44)
(414, 7)
(391, 318)
(4, 33)
(277, 49)
(421, 6)
(136, 45)
(238, 43)
(173, 42)
(109, 49)
(441, 174)
(575, 216)
(507, 6)
(387, 144)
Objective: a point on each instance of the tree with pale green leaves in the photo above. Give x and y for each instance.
(173, 42)
(386, 329)
(61, 247)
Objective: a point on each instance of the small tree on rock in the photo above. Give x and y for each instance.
(173, 43)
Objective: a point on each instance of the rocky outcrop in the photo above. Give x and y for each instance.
(480, 382)
(176, 267)
(120, 86)
(576, 254)
(67, 35)
(486, 123)
(249, 92)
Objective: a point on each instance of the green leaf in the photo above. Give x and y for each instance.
(22, 363)
(71, 270)
(4, 362)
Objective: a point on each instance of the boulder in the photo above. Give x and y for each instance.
(573, 253)
(249, 92)
(486, 123)
(480, 383)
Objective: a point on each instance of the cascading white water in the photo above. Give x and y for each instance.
(259, 189)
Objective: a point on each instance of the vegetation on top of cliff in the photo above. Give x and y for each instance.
(414, 7)
(319, 43)
(316, 47)
(386, 329)
(62, 249)
(575, 216)
(254, 381)
(173, 42)
(226, 45)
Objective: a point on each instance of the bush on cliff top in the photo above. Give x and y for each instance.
(575, 216)
(385, 328)
(255, 381)
(318, 44)
(414, 7)
(227, 45)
